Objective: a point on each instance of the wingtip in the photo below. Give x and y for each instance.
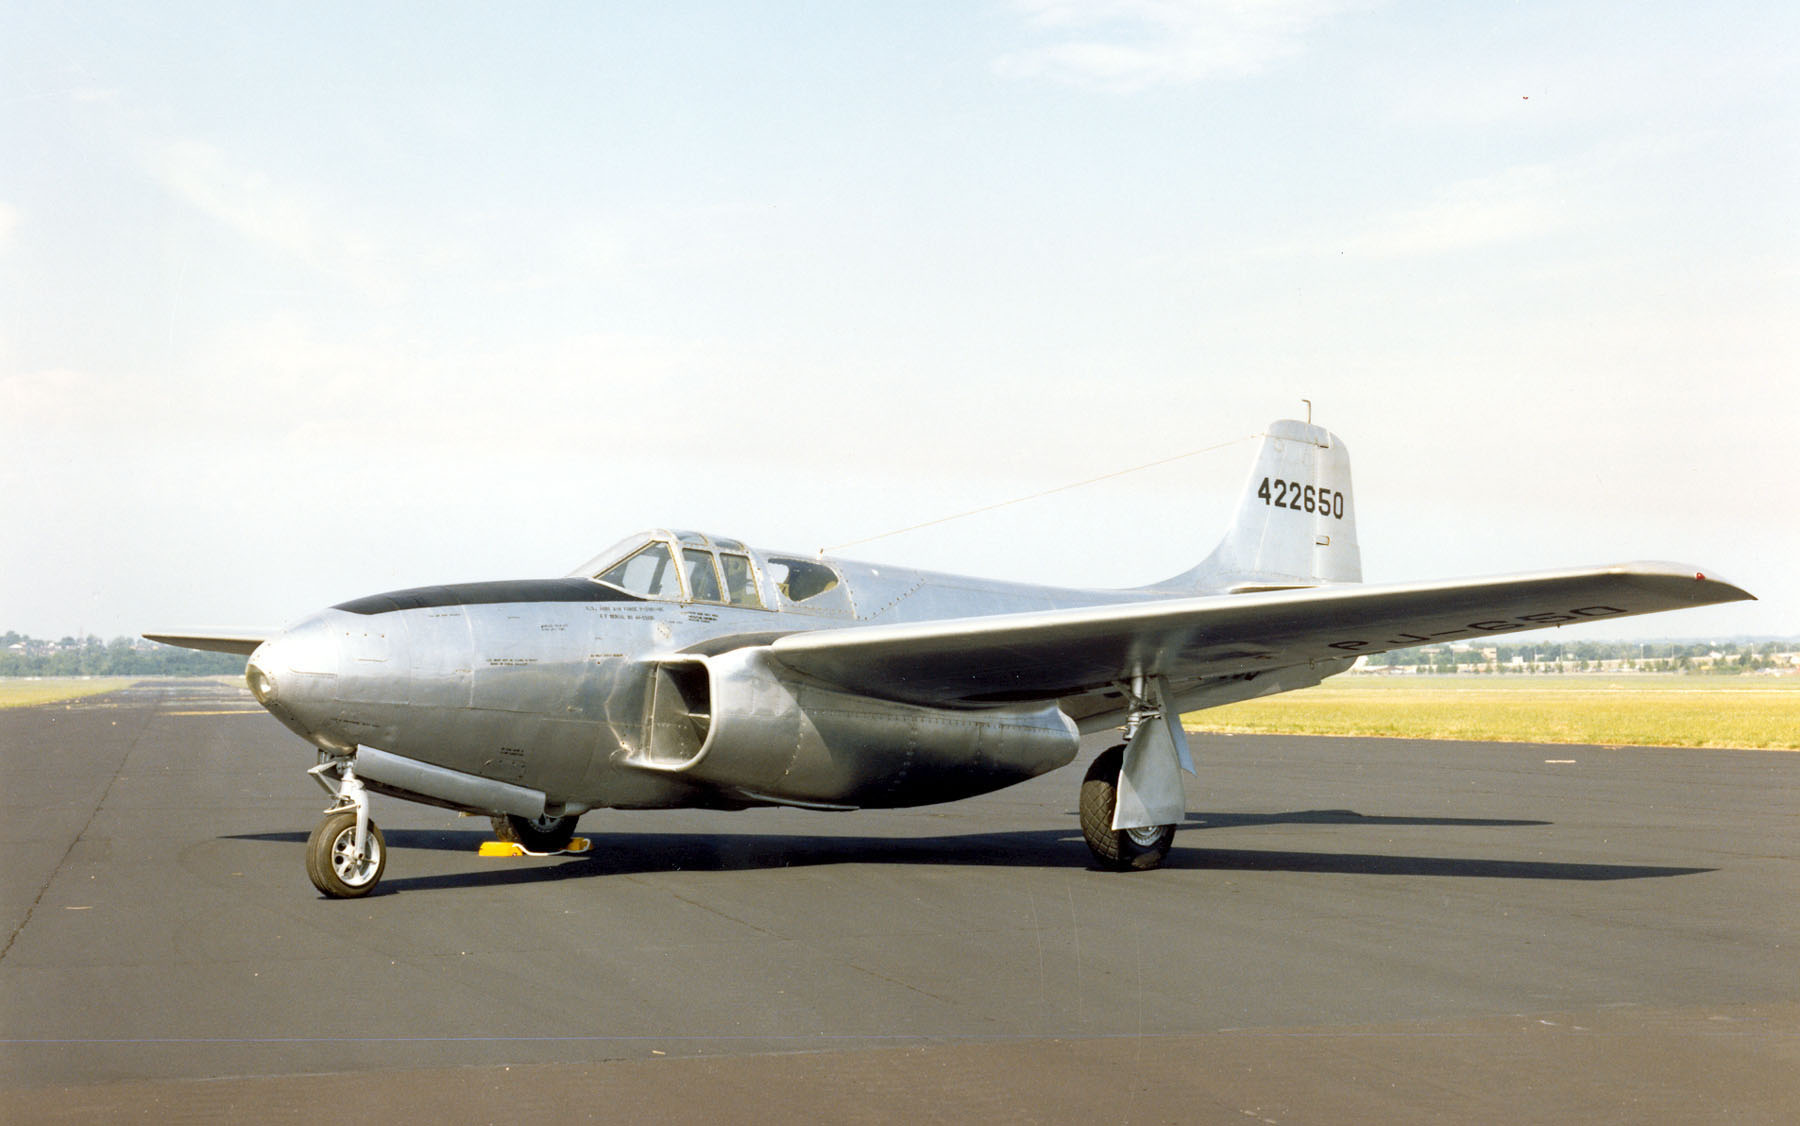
(1716, 588)
(1730, 591)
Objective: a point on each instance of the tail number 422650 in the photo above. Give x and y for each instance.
(1291, 494)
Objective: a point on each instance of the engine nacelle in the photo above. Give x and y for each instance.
(742, 722)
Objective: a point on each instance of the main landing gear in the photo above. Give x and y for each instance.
(540, 835)
(346, 854)
(1131, 799)
(1122, 850)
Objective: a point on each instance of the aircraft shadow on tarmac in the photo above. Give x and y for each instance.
(1337, 817)
(617, 854)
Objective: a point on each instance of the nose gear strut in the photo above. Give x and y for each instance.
(346, 854)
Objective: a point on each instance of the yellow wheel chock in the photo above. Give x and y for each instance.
(508, 848)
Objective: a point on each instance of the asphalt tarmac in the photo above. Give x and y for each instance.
(1347, 930)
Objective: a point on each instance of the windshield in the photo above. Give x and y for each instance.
(651, 573)
(593, 567)
(652, 564)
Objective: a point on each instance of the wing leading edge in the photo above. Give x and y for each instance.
(1059, 653)
(242, 642)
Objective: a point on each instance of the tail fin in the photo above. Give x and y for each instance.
(1295, 526)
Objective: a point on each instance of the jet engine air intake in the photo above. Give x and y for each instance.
(680, 711)
(740, 720)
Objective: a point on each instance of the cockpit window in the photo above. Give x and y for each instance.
(703, 578)
(740, 580)
(677, 566)
(809, 584)
(650, 572)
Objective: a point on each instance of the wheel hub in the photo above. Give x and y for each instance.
(353, 868)
(1145, 836)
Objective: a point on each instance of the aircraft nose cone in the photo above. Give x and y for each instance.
(262, 685)
(291, 673)
(309, 649)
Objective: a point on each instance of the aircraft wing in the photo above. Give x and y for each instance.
(234, 641)
(1059, 653)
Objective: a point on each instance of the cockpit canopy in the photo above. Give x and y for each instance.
(684, 566)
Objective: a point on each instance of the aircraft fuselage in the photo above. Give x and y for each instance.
(592, 696)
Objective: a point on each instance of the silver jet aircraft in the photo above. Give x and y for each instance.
(679, 669)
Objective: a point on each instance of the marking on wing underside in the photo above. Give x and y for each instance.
(1535, 620)
(1235, 655)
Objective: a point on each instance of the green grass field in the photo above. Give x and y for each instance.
(25, 692)
(1644, 710)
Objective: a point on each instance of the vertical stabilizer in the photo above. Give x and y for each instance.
(1296, 523)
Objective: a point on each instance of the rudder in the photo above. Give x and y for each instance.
(1295, 524)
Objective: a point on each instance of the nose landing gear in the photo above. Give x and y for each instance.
(346, 854)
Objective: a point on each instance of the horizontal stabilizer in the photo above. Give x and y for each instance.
(242, 642)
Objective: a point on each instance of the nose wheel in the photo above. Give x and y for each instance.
(346, 854)
(337, 867)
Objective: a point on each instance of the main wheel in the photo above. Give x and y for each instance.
(536, 834)
(331, 859)
(1122, 850)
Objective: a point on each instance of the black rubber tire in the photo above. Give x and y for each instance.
(545, 834)
(328, 861)
(1119, 850)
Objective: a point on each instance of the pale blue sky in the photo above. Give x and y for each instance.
(300, 302)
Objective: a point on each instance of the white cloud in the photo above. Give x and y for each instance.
(1520, 203)
(1514, 205)
(277, 218)
(33, 399)
(9, 221)
(1591, 192)
(1126, 45)
(462, 399)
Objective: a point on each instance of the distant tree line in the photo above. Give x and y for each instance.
(122, 656)
(1723, 657)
